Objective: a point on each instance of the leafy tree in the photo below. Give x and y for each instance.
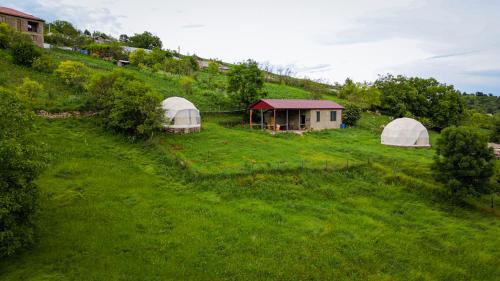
(63, 27)
(495, 134)
(245, 82)
(21, 161)
(463, 162)
(213, 67)
(421, 98)
(146, 40)
(29, 89)
(363, 95)
(24, 53)
(126, 103)
(351, 115)
(73, 73)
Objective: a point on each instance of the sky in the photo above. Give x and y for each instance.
(454, 41)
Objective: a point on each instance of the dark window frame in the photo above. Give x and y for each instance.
(32, 26)
(333, 115)
(318, 116)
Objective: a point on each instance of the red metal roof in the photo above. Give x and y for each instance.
(295, 104)
(16, 13)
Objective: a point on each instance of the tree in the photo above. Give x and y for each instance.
(463, 162)
(24, 53)
(146, 40)
(245, 82)
(63, 27)
(73, 73)
(9, 36)
(213, 67)
(137, 57)
(126, 103)
(351, 115)
(21, 161)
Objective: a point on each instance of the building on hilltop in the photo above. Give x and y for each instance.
(25, 23)
(297, 115)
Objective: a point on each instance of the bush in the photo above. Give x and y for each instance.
(351, 115)
(187, 84)
(73, 73)
(126, 103)
(137, 57)
(44, 64)
(29, 89)
(24, 53)
(21, 160)
(9, 36)
(113, 51)
(463, 162)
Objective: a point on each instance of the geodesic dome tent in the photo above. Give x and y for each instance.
(405, 132)
(182, 115)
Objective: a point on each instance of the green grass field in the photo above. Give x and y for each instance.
(230, 203)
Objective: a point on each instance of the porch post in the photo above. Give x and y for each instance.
(251, 112)
(299, 121)
(261, 120)
(274, 113)
(287, 119)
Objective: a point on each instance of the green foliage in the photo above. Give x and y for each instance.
(483, 103)
(63, 33)
(213, 67)
(463, 162)
(9, 36)
(113, 51)
(29, 89)
(421, 98)
(62, 27)
(184, 66)
(363, 95)
(73, 73)
(44, 63)
(20, 163)
(24, 53)
(351, 114)
(245, 82)
(495, 134)
(137, 57)
(126, 103)
(146, 40)
(187, 83)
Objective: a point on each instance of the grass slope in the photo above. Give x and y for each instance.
(113, 210)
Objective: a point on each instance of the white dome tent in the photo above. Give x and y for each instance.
(405, 132)
(182, 115)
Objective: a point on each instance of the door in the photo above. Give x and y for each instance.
(302, 121)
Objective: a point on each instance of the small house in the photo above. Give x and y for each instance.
(297, 115)
(25, 23)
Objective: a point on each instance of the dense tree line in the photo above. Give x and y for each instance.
(437, 105)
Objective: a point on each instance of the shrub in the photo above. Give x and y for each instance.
(113, 51)
(29, 89)
(24, 53)
(9, 36)
(21, 160)
(73, 73)
(137, 57)
(463, 162)
(351, 115)
(187, 84)
(44, 64)
(126, 103)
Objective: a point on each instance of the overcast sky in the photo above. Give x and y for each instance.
(455, 41)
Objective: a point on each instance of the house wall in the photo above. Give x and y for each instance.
(324, 122)
(21, 24)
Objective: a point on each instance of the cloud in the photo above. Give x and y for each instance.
(193, 26)
(451, 55)
(84, 17)
(484, 72)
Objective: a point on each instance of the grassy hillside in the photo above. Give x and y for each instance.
(230, 203)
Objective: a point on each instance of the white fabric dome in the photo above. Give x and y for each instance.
(405, 132)
(181, 113)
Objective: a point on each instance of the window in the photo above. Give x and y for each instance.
(32, 26)
(333, 115)
(318, 116)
